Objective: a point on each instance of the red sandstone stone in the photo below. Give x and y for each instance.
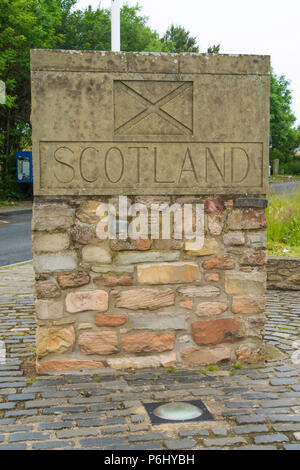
(211, 308)
(196, 357)
(189, 304)
(141, 244)
(104, 342)
(66, 364)
(110, 320)
(248, 304)
(213, 205)
(212, 277)
(217, 331)
(148, 342)
(74, 279)
(220, 262)
(113, 281)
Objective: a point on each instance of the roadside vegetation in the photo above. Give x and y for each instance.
(283, 225)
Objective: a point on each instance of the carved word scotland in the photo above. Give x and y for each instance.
(126, 167)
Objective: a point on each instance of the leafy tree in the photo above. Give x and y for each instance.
(23, 24)
(177, 39)
(285, 138)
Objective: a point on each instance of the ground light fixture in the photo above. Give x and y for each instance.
(177, 411)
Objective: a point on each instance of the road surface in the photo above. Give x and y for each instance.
(15, 237)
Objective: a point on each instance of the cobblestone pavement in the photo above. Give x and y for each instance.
(253, 407)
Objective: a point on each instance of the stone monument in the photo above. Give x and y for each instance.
(158, 130)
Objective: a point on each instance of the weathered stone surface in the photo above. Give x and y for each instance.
(254, 326)
(95, 254)
(254, 257)
(87, 212)
(148, 342)
(210, 247)
(150, 299)
(44, 263)
(217, 331)
(110, 320)
(74, 279)
(66, 364)
(246, 219)
(245, 283)
(54, 340)
(87, 300)
(215, 224)
(112, 269)
(213, 205)
(203, 291)
(131, 258)
(159, 321)
(211, 308)
(113, 281)
(50, 242)
(104, 342)
(47, 290)
(196, 357)
(212, 277)
(49, 309)
(251, 202)
(234, 239)
(85, 326)
(168, 273)
(124, 245)
(189, 304)
(257, 239)
(84, 234)
(168, 244)
(135, 362)
(51, 216)
(250, 352)
(220, 262)
(248, 304)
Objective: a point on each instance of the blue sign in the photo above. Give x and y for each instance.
(24, 167)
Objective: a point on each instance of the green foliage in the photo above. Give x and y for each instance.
(283, 221)
(215, 49)
(177, 39)
(237, 366)
(285, 138)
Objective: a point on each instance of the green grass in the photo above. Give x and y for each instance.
(283, 225)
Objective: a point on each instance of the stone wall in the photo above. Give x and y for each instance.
(148, 303)
(283, 273)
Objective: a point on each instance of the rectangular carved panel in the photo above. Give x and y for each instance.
(131, 168)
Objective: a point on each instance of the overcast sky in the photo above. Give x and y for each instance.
(269, 27)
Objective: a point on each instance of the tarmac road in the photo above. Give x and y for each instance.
(15, 237)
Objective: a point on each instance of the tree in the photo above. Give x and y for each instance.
(177, 39)
(285, 138)
(88, 29)
(23, 24)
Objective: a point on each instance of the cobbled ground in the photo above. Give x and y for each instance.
(254, 407)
